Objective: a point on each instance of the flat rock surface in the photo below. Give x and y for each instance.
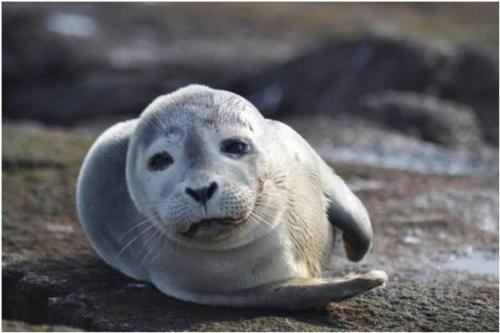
(425, 226)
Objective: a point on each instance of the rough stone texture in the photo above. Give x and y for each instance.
(337, 76)
(52, 276)
(17, 326)
(84, 292)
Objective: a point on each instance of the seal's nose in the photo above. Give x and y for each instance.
(202, 195)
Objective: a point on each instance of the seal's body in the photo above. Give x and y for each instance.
(214, 204)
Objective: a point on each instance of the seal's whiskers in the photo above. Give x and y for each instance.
(157, 232)
(139, 223)
(133, 239)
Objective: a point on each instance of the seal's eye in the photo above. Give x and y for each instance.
(235, 147)
(160, 161)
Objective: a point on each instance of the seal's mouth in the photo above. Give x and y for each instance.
(212, 228)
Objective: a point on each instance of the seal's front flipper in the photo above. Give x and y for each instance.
(315, 293)
(346, 212)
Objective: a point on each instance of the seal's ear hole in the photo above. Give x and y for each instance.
(160, 161)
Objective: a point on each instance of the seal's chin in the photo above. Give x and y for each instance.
(212, 229)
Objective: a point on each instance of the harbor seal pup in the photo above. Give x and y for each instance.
(214, 204)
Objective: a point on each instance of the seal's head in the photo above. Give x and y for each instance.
(199, 167)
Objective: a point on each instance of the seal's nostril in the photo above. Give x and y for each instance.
(202, 194)
(211, 190)
(193, 194)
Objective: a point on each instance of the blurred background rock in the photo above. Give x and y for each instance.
(67, 63)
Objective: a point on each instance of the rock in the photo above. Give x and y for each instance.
(424, 116)
(51, 275)
(476, 302)
(336, 77)
(89, 294)
(355, 140)
(71, 100)
(18, 326)
(476, 207)
(85, 293)
(63, 63)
